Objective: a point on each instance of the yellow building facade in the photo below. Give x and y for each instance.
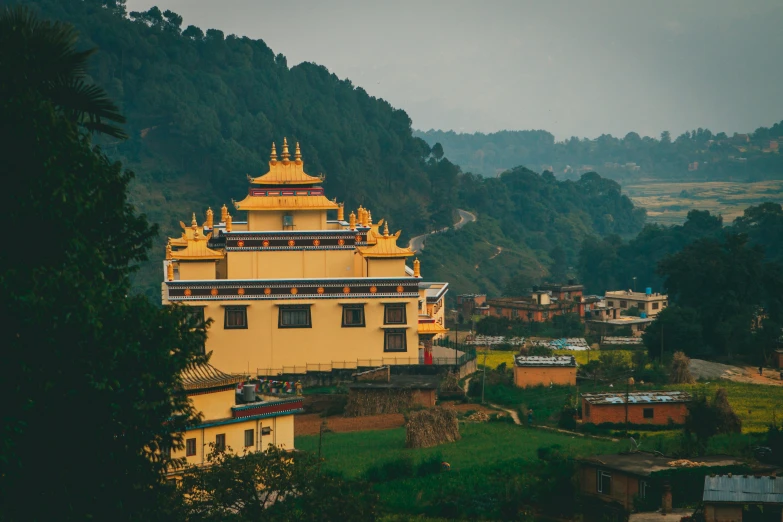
(295, 284)
(248, 427)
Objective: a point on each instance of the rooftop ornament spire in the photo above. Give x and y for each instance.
(168, 250)
(228, 222)
(369, 218)
(416, 268)
(341, 212)
(224, 211)
(210, 218)
(352, 221)
(298, 155)
(273, 156)
(385, 229)
(286, 155)
(193, 222)
(170, 271)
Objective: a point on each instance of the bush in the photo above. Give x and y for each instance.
(706, 419)
(543, 351)
(431, 465)
(402, 467)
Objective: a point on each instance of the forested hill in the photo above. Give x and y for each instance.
(694, 155)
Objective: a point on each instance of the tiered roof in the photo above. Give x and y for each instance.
(194, 243)
(386, 246)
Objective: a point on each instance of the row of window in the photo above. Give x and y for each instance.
(298, 316)
(220, 441)
(624, 304)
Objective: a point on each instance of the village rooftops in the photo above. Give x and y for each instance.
(643, 464)
(743, 489)
(541, 361)
(649, 397)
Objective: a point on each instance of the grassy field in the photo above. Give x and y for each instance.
(496, 358)
(668, 203)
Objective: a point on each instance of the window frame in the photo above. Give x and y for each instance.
(600, 474)
(623, 304)
(656, 306)
(644, 489)
(360, 307)
(231, 309)
(651, 412)
(220, 442)
(393, 306)
(294, 308)
(395, 331)
(190, 452)
(266, 430)
(251, 435)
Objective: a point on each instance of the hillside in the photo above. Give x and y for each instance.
(693, 156)
(203, 109)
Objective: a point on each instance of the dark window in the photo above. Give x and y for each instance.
(190, 447)
(266, 430)
(498, 310)
(603, 482)
(587, 409)
(623, 304)
(165, 450)
(515, 312)
(353, 315)
(644, 489)
(236, 318)
(294, 317)
(395, 341)
(394, 314)
(648, 413)
(665, 303)
(220, 442)
(610, 304)
(655, 306)
(249, 438)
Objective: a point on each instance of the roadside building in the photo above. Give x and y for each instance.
(535, 370)
(596, 309)
(647, 303)
(621, 478)
(295, 282)
(649, 407)
(729, 498)
(251, 425)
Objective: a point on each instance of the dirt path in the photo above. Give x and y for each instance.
(498, 251)
(417, 243)
(701, 369)
(513, 414)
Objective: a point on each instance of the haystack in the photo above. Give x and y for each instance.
(427, 428)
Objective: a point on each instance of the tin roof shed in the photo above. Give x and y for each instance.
(743, 489)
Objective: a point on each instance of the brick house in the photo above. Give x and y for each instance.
(543, 371)
(649, 407)
(541, 305)
(778, 357)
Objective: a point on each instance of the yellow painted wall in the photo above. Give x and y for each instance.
(264, 345)
(290, 264)
(262, 220)
(386, 267)
(214, 405)
(197, 270)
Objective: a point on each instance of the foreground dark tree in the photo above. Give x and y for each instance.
(272, 485)
(88, 370)
(708, 418)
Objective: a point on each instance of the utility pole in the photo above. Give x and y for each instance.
(484, 377)
(627, 389)
(320, 441)
(456, 342)
(661, 343)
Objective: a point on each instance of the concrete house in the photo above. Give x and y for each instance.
(542, 371)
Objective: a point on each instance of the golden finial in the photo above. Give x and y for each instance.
(168, 250)
(416, 268)
(352, 221)
(273, 156)
(369, 217)
(194, 223)
(386, 229)
(286, 156)
(210, 217)
(228, 222)
(223, 213)
(341, 212)
(170, 271)
(298, 155)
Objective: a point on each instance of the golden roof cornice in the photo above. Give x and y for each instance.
(386, 246)
(286, 203)
(195, 244)
(285, 171)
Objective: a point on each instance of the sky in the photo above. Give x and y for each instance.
(574, 68)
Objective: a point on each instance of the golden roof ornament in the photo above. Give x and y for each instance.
(168, 250)
(210, 218)
(228, 223)
(352, 221)
(369, 217)
(170, 271)
(386, 229)
(298, 155)
(223, 213)
(273, 155)
(286, 156)
(193, 222)
(341, 212)
(416, 268)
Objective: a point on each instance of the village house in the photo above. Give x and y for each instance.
(297, 283)
(648, 304)
(729, 498)
(544, 371)
(621, 478)
(609, 325)
(541, 305)
(472, 304)
(648, 407)
(251, 425)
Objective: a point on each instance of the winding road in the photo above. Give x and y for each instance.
(417, 243)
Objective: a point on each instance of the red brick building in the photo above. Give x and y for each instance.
(541, 305)
(542, 371)
(651, 407)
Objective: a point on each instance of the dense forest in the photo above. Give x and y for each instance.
(693, 156)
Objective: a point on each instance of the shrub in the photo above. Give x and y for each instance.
(430, 465)
(402, 467)
(706, 419)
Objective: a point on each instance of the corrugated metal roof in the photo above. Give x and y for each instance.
(650, 397)
(537, 360)
(745, 489)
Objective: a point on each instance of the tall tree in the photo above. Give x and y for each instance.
(88, 369)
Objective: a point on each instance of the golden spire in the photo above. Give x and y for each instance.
(228, 222)
(416, 268)
(223, 213)
(194, 223)
(369, 218)
(168, 250)
(298, 155)
(341, 212)
(385, 229)
(273, 156)
(352, 221)
(210, 218)
(286, 156)
(170, 271)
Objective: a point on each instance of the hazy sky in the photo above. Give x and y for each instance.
(573, 68)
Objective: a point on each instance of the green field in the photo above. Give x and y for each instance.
(669, 203)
